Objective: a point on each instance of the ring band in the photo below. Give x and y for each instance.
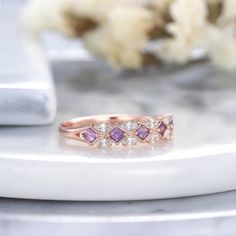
(108, 130)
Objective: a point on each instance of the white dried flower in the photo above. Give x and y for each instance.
(162, 5)
(122, 38)
(229, 11)
(221, 47)
(185, 28)
(219, 40)
(120, 31)
(38, 16)
(95, 9)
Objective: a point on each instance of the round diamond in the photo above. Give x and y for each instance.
(104, 143)
(153, 138)
(128, 141)
(129, 125)
(102, 127)
(151, 123)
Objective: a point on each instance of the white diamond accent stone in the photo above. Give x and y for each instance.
(168, 134)
(129, 141)
(104, 143)
(129, 125)
(167, 120)
(151, 123)
(153, 138)
(102, 127)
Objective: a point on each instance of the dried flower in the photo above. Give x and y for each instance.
(127, 32)
(185, 29)
(113, 39)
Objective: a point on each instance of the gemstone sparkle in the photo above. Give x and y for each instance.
(128, 141)
(129, 126)
(89, 135)
(162, 128)
(102, 127)
(142, 132)
(153, 138)
(151, 123)
(168, 120)
(104, 143)
(117, 134)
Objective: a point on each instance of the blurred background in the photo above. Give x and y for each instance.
(66, 58)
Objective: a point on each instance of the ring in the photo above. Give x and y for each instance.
(126, 130)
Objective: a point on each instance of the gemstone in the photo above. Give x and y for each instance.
(168, 134)
(89, 135)
(129, 125)
(102, 127)
(117, 134)
(104, 143)
(142, 132)
(151, 123)
(153, 138)
(162, 128)
(168, 120)
(128, 141)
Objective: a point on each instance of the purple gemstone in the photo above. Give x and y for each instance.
(117, 134)
(89, 135)
(162, 128)
(142, 132)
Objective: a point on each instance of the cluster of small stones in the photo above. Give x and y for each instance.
(128, 133)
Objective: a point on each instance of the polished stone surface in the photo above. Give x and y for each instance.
(193, 216)
(200, 160)
(27, 94)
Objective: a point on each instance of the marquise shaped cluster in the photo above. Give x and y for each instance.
(128, 133)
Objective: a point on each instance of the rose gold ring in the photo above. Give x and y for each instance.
(108, 130)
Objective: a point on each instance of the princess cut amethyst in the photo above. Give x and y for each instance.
(142, 132)
(89, 135)
(162, 128)
(117, 134)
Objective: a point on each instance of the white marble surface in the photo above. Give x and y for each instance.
(193, 216)
(36, 163)
(27, 94)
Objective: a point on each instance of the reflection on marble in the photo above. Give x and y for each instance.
(115, 152)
